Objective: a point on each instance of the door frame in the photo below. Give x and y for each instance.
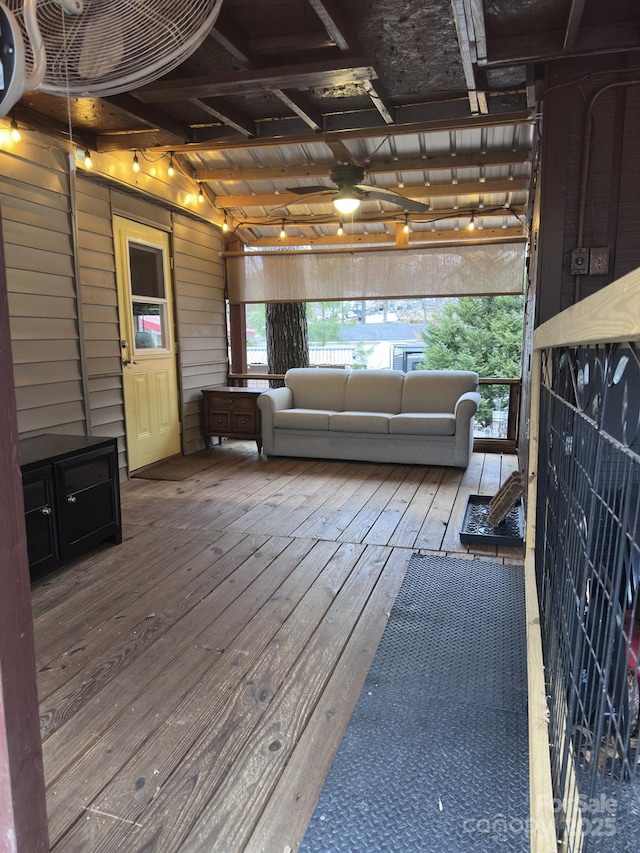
(126, 231)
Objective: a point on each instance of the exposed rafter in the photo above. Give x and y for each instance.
(320, 170)
(423, 238)
(419, 192)
(324, 74)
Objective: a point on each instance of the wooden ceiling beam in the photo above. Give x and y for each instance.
(150, 116)
(340, 30)
(324, 74)
(302, 107)
(291, 43)
(418, 192)
(411, 120)
(342, 154)
(450, 238)
(234, 42)
(335, 23)
(574, 21)
(228, 115)
(334, 219)
(540, 47)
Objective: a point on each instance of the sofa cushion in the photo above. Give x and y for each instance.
(374, 391)
(360, 422)
(301, 419)
(416, 423)
(435, 390)
(317, 387)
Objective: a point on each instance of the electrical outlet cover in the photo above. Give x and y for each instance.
(580, 262)
(599, 261)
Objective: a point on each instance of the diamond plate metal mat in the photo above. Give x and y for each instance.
(435, 756)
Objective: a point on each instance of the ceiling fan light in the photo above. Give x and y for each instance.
(344, 202)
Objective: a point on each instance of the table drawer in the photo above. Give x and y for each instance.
(218, 420)
(228, 401)
(243, 422)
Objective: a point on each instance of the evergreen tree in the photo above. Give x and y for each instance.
(481, 333)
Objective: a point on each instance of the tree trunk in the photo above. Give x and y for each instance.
(287, 337)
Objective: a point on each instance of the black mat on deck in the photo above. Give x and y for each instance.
(435, 755)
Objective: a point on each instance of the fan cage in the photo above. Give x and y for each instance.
(113, 46)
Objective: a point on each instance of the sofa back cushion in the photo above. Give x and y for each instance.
(317, 387)
(436, 390)
(374, 391)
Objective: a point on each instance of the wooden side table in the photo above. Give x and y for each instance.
(232, 413)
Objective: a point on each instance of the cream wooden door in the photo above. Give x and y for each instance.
(147, 342)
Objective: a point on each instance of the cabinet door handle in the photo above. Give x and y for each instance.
(46, 510)
(71, 499)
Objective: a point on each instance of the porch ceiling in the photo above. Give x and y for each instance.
(435, 100)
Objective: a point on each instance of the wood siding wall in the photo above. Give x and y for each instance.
(66, 351)
(200, 317)
(575, 89)
(97, 272)
(34, 197)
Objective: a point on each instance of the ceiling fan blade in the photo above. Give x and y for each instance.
(393, 198)
(316, 188)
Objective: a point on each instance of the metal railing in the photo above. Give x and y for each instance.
(583, 577)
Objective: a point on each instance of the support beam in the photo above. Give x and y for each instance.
(420, 192)
(343, 154)
(325, 74)
(415, 118)
(440, 238)
(225, 113)
(23, 814)
(150, 116)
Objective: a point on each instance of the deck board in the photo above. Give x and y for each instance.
(195, 681)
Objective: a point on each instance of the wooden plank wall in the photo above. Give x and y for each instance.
(200, 317)
(34, 198)
(97, 271)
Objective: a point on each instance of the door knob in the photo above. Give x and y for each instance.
(127, 361)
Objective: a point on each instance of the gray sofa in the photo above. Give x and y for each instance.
(424, 417)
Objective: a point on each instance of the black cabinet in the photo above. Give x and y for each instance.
(71, 497)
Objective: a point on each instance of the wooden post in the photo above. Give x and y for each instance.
(23, 815)
(542, 832)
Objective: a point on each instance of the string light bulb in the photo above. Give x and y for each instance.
(171, 171)
(200, 194)
(283, 233)
(135, 165)
(472, 223)
(340, 231)
(406, 228)
(15, 132)
(225, 224)
(88, 162)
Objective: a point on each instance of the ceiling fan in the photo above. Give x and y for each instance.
(350, 191)
(95, 48)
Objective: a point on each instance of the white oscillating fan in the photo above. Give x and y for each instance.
(95, 48)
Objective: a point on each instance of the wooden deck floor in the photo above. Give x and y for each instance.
(195, 681)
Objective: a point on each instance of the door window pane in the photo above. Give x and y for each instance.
(147, 272)
(149, 325)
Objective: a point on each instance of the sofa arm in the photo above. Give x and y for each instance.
(466, 407)
(275, 399)
(269, 403)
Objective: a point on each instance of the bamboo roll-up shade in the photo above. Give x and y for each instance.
(305, 277)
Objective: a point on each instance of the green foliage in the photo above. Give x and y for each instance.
(481, 333)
